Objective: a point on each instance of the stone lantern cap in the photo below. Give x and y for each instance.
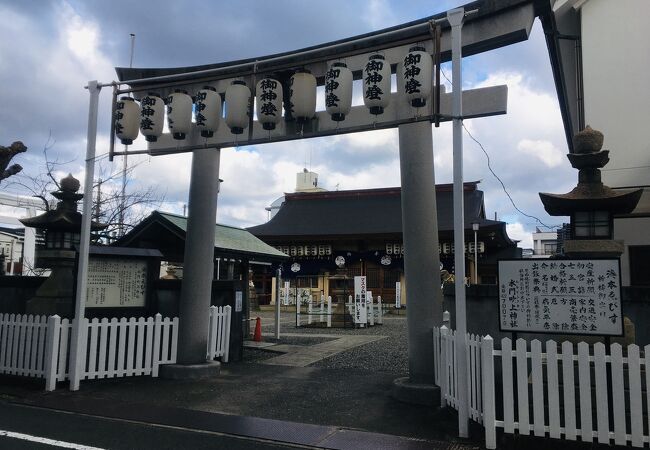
(65, 216)
(590, 194)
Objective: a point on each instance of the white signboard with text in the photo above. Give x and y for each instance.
(360, 311)
(238, 301)
(564, 296)
(398, 295)
(116, 283)
(285, 294)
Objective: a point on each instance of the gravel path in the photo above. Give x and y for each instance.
(389, 355)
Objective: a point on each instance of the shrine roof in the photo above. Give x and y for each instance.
(227, 239)
(365, 212)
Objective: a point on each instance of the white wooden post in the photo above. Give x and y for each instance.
(602, 408)
(446, 318)
(329, 311)
(489, 403)
(155, 360)
(636, 396)
(309, 310)
(52, 351)
(297, 309)
(226, 344)
(370, 308)
(213, 332)
(444, 373)
(521, 359)
(380, 315)
(538, 388)
(618, 392)
(321, 319)
(553, 389)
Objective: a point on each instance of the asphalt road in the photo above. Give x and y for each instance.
(26, 427)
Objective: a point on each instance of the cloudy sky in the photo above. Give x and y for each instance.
(50, 49)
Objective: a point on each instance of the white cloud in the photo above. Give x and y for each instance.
(544, 150)
(517, 232)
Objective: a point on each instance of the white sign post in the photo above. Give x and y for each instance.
(360, 309)
(569, 296)
(398, 295)
(285, 296)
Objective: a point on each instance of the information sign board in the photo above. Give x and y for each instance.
(398, 295)
(564, 296)
(360, 311)
(285, 294)
(116, 283)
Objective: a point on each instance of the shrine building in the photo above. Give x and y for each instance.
(332, 236)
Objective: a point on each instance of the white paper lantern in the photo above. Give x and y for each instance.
(127, 116)
(376, 82)
(237, 102)
(302, 95)
(179, 113)
(152, 116)
(207, 111)
(338, 91)
(269, 102)
(417, 71)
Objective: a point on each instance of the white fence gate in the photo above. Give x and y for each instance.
(38, 346)
(556, 393)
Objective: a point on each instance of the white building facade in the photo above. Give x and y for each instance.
(600, 53)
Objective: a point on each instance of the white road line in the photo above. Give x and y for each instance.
(42, 440)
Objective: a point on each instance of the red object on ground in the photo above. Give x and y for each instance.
(257, 337)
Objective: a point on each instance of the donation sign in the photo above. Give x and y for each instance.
(116, 283)
(398, 295)
(564, 296)
(360, 311)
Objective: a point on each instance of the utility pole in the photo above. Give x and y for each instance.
(125, 164)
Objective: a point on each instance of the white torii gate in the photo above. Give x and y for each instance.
(30, 205)
(496, 25)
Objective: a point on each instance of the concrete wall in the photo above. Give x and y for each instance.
(616, 63)
(483, 314)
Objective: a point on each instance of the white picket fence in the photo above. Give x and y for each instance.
(38, 346)
(219, 333)
(556, 393)
(23, 344)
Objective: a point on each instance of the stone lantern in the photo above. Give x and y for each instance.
(591, 205)
(62, 227)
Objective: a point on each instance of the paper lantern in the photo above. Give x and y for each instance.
(237, 102)
(338, 91)
(417, 72)
(302, 95)
(207, 111)
(126, 120)
(376, 82)
(179, 113)
(152, 115)
(269, 102)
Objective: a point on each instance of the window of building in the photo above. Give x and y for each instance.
(639, 265)
(591, 225)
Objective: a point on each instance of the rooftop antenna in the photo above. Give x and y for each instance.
(125, 164)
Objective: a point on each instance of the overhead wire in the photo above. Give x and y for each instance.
(489, 165)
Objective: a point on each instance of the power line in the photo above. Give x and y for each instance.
(494, 174)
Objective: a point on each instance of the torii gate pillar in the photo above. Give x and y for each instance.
(421, 262)
(198, 270)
